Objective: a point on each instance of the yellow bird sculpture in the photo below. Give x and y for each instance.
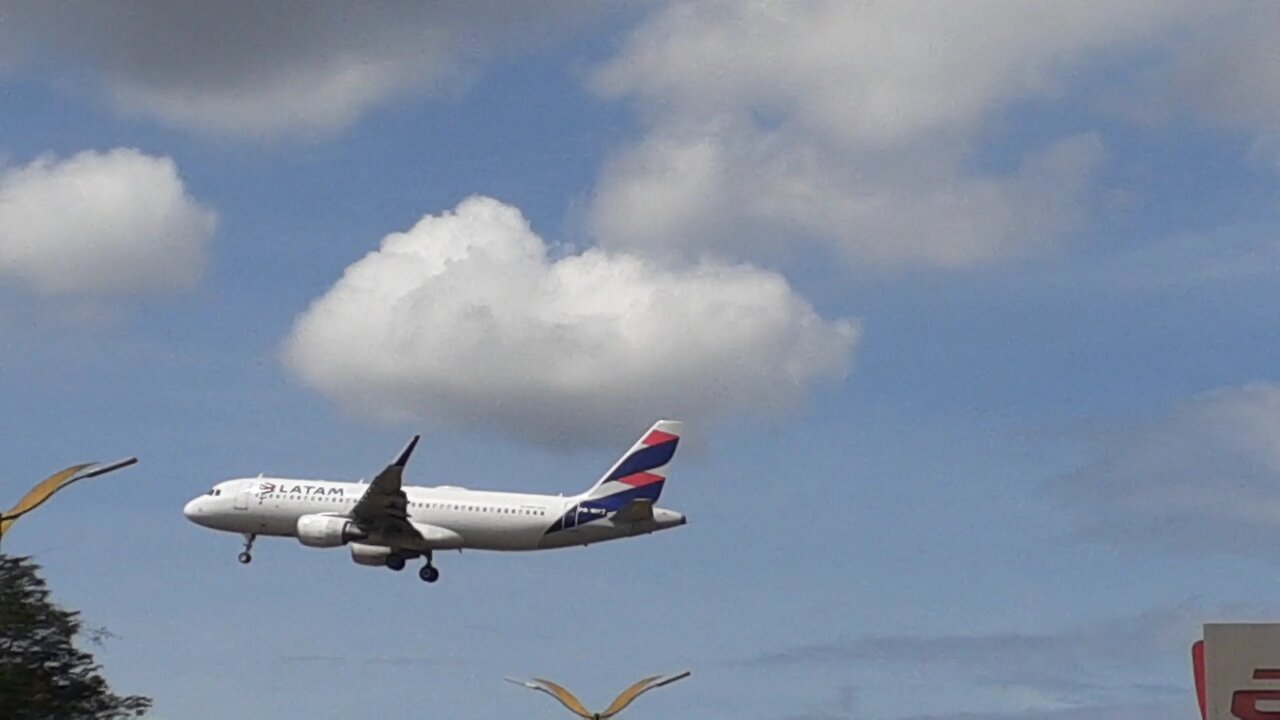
(52, 484)
(575, 706)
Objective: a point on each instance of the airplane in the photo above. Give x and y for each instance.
(386, 523)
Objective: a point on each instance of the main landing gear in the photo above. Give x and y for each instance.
(245, 557)
(429, 573)
(396, 561)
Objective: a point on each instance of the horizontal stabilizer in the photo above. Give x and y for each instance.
(638, 509)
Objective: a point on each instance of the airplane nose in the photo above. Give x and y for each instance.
(192, 509)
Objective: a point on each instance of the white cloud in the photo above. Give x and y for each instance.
(860, 126)
(866, 74)
(113, 222)
(264, 69)
(741, 191)
(466, 320)
(1226, 70)
(1205, 477)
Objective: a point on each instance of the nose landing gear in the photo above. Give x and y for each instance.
(245, 557)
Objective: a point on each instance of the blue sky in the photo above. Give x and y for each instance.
(970, 312)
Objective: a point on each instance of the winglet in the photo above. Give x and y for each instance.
(403, 458)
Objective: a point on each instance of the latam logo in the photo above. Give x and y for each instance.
(269, 488)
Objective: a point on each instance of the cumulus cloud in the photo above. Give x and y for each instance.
(862, 126)
(469, 320)
(113, 222)
(1207, 476)
(264, 69)
(850, 123)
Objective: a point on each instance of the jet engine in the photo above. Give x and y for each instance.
(373, 555)
(327, 531)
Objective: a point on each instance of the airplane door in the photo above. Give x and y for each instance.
(242, 496)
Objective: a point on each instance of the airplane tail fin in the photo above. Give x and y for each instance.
(642, 471)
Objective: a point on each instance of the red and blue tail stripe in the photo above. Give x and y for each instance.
(636, 469)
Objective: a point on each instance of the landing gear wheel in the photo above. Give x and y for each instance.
(245, 558)
(395, 562)
(429, 573)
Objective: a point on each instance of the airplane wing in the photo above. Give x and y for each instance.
(638, 509)
(384, 508)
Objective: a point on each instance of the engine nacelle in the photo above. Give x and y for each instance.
(372, 555)
(327, 531)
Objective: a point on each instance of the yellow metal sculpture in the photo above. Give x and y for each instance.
(575, 706)
(52, 484)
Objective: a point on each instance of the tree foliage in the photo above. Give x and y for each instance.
(43, 675)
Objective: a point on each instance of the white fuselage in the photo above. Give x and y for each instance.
(484, 520)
